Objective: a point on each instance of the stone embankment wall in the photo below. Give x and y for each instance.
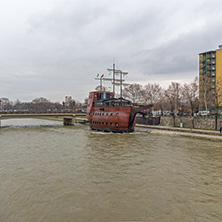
(191, 122)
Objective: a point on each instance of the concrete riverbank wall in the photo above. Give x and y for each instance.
(199, 122)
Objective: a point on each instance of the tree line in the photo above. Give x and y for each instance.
(175, 98)
(42, 105)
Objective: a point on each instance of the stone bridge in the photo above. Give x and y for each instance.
(68, 118)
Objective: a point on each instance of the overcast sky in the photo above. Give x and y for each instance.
(54, 48)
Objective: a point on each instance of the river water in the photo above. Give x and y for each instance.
(53, 173)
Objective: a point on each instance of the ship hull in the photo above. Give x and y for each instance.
(112, 119)
(111, 114)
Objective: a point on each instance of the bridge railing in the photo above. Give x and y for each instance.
(68, 118)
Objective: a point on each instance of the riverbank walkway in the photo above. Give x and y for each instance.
(196, 133)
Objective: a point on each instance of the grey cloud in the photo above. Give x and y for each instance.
(59, 51)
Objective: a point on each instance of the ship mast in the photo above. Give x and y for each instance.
(115, 81)
(100, 80)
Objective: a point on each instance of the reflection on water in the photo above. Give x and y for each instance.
(75, 174)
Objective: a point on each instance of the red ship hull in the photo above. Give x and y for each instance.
(109, 114)
(114, 119)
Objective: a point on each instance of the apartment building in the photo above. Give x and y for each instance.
(210, 79)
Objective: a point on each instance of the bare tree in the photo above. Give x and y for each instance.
(18, 105)
(190, 93)
(161, 102)
(151, 93)
(206, 93)
(133, 92)
(173, 94)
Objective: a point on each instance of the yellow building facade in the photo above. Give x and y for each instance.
(210, 79)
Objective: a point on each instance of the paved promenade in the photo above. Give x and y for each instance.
(196, 133)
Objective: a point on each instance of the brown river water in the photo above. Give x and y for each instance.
(54, 173)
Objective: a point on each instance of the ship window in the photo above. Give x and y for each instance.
(103, 95)
(99, 96)
(117, 114)
(116, 124)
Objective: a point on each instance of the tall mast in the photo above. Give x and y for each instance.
(118, 82)
(113, 79)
